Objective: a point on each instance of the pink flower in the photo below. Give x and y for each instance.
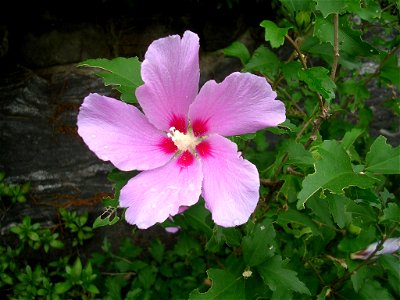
(178, 140)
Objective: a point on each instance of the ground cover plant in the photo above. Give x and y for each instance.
(326, 223)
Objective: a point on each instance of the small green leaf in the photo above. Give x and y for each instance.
(274, 34)
(33, 236)
(239, 50)
(62, 287)
(318, 80)
(382, 158)
(56, 244)
(123, 73)
(108, 217)
(276, 276)
(224, 286)
(93, 289)
(333, 172)
(258, 244)
(76, 269)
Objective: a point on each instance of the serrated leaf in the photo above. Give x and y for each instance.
(239, 50)
(333, 172)
(369, 10)
(122, 73)
(332, 6)
(337, 206)
(349, 40)
(264, 61)
(298, 156)
(391, 214)
(224, 286)
(383, 158)
(276, 276)
(318, 80)
(258, 244)
(274, 34)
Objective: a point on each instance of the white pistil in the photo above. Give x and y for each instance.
(183, 141)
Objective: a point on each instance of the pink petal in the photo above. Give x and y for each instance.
(231, 183)
(120, 133)
(242, 103)
(153, 196)
(171, 74)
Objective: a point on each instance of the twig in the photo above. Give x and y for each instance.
(335, 45)
(297, 49)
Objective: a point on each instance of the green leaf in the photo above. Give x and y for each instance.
(258, 245)
(33, 236)
(358, 278)
(337, 207)
(62, 287)
(373, 290)
(350, 137)
(76, 269)
(224, 286)
(349, 40)
(298, 156)
(238, 50)
(390, 71)
(157, 250)
(264, 61)
(198, 217)
(318, 80)
(391, 214)
(332, 6)
(276, 276)
(382, 158)
(333, 172)
(369, 10)
(108, 217)
(123, 73)
(294, 6)
(295, 217)
(274, 34)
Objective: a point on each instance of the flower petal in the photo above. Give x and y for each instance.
(171, 74)
(120, 133)
(242, 103)
(152, 196)
(231, 184)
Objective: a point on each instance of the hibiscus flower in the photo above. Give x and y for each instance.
(178, 140)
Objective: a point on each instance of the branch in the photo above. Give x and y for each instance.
(335, 46)
(297, 49)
